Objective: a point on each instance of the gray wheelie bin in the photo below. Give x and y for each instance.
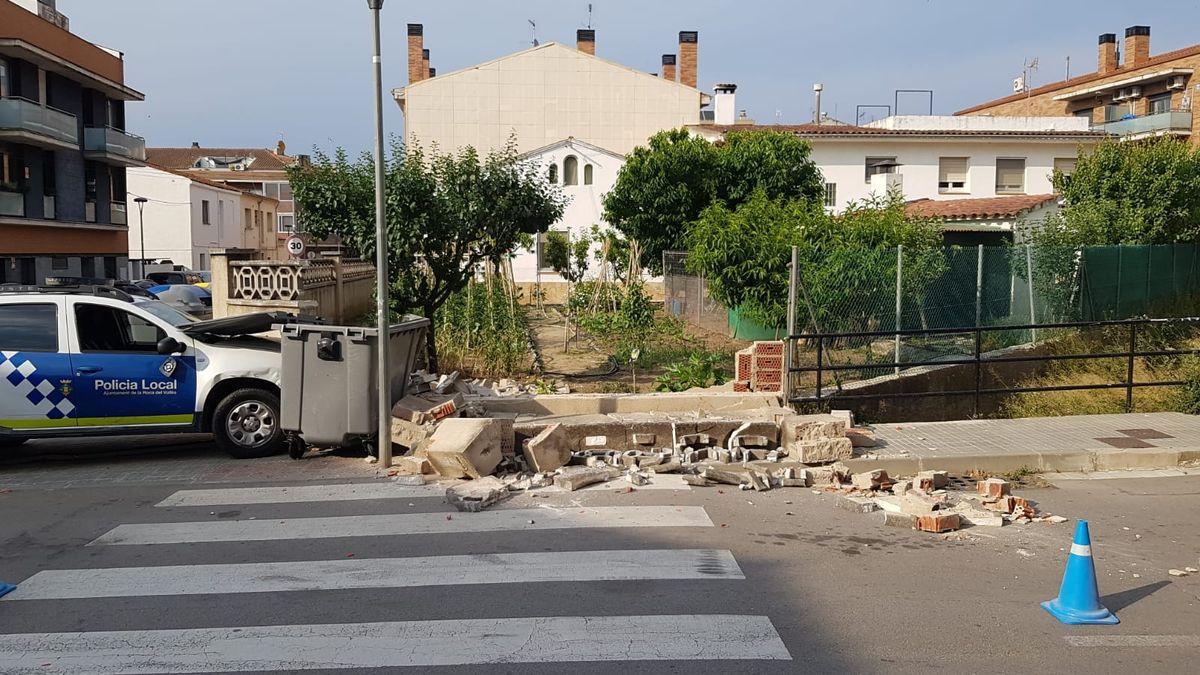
(328, 392)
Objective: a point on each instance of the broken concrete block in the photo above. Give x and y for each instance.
(724, 476)
(694, 440)
(410, 435)
(758, 481)
(902, 520)
(572, 478)
(595, 441)
(993, 487)
(547, 451)
(939, 522)
(752, 441)
(412, 465)
(666, 467)
(541, 480)
(797, 428)
(476, 495)
(857, 504)
(695, 479)
(870, 480)
(918, 504)
(446, 383)
(973, 515)
(862, 438)
(928, 481)
(643, 439)
(427, 407)
(821, 451)
(507, 437)
(465, 448)
(637, 478)
(1005, 504)
(410, 479)
(722, 456)
(899, 488)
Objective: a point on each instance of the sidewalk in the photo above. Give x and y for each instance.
(1045, 444)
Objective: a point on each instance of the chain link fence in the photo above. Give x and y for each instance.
(686, 297)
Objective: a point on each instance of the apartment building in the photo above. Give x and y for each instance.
(256, 170)
(64, 149)
(1131, 94)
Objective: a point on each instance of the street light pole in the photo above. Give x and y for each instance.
(383, 374)
(141, 202)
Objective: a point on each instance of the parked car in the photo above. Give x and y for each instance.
(171, 278)
(188, 299)
(94, 361)
(205, 279)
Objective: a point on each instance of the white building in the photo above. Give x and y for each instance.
(585, 172)
(184, 217)
(941, 158)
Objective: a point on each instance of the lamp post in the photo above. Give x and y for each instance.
(383, 374)
(141, 202)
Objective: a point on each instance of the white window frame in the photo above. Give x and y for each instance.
(830, 198)
(279, 223)
(946, 186)
(869, 164)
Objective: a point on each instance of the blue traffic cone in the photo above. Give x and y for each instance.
(1078, 600)
(6, 588)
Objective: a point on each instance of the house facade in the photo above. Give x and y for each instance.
(1131, 94)
(64, 149)
(184, 217)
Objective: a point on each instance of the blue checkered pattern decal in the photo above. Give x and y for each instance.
(25, 392)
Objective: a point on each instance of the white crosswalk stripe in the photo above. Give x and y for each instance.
(316, 575)
(403, 524)
(298, 646)
(360, 491)
(397, 644)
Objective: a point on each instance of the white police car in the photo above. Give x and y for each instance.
(92, 360)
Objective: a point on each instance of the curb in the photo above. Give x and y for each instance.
(1073, 461)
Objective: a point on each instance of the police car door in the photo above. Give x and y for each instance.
(121, 378)
(35, 365)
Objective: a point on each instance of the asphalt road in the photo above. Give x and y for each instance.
(803, 585)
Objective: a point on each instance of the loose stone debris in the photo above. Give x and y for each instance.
(443, 431)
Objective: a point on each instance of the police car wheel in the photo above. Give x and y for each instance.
(246, 424)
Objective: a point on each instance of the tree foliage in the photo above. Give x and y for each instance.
(847, 261)
(446, 214)
(567, 256)
(664, 186)
(1144, 192)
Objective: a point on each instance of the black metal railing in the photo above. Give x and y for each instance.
(978, 360)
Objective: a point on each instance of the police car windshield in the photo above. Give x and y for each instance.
(167, 313)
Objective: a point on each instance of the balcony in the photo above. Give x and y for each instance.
(1173, 122)
(114, 146)
(30, 123)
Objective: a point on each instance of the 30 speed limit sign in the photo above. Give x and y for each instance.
(295, 246)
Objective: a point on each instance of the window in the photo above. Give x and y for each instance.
(287, 222)
(553, 174)
(59, 263)
(952, 174)
(571, 171)
(1084, 112)
(543, 240)
(110, 329)
(1065, 164)
(1159, 103)
(87, 267)
(272, 190)
(29, 328)
(246, 222)
(1010, 176)
(5, 84)
(1115, 111)
(587, 174)
(877, 165)
(204, 212)
(831, 195)
(285, 192)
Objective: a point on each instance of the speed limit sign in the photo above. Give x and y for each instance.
(295, 246)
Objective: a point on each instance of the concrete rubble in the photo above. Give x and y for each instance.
(450, 428)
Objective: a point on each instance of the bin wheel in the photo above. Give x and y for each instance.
(296, 447)
(371, 448)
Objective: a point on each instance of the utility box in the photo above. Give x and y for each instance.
(327, 395)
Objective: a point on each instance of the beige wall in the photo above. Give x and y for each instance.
(543, 95)
(258, 231)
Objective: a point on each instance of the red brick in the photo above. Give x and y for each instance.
(768, 362)
(938, 522)
(768, 348)
(993, 487)
(744, 364)
(741, 385)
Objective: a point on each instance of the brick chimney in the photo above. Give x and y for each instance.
(1108, 61)
(432, 72)
(668, 67)
(281, 148)
(585, 41)
(1137, 45)
(425, 63)
(689, 47)
(417, 68)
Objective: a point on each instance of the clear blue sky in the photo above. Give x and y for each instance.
(248, 72)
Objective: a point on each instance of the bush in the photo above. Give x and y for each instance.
(700, 370)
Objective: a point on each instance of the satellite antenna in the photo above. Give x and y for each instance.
(533, 27)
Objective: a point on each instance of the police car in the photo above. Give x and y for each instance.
(92, 360)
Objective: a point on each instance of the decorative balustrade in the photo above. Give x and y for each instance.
(264, 280)
(339, 290)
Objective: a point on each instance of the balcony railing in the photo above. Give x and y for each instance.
(112, 141)
(12, 203)
(117, 214)
(23, 115)
(1174, 121)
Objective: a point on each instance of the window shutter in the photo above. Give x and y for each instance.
(953, 173)
(1010, 175)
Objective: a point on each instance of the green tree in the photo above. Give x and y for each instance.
(1144, 192)
(664, 187)
(447, 215)
(568, 257)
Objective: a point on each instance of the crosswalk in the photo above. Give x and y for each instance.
(496, 634)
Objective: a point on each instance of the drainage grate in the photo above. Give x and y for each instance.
(1144, 434)
(1125, 442)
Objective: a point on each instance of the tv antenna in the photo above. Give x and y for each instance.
(533, 27)
(1028, 68)
(589, 16)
